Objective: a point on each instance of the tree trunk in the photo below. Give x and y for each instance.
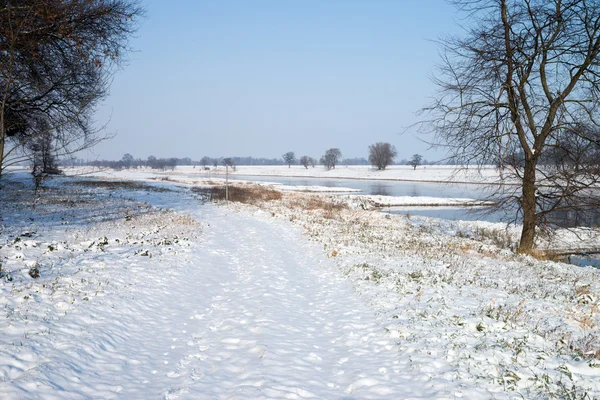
(2, 140)
(529, 207)
(2, 134)
(1, 153)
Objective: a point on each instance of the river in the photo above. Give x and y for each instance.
(404, 188)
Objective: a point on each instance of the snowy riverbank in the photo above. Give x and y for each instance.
(182, 175)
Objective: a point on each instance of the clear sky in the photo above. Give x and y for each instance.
(263, 77)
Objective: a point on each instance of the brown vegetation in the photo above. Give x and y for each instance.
(240, 194)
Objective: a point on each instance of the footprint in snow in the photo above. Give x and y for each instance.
(173, 374)
(196, 375)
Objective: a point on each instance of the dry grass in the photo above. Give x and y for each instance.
(509, 314)
(545, 255)
(326, 206)
(256, 195)
(241, 194)
(463, 248)
(500, 238)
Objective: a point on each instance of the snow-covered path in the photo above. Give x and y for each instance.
(269, 317)
(260, 313)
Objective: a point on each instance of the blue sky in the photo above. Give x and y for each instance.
(263, 77)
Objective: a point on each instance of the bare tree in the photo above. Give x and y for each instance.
(524, 78)
(56, 60)
(305, 161)
(128, 160)
(381, 155)
(289, 158)
(170, 163)
(228, 162)
(204, 161)
(151, 162)
(415, 161)
(44, 159)
(331, 158)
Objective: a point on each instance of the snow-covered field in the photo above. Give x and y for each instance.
(426, 173)
(432, 173)
(147, 291)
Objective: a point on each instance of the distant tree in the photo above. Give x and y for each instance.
(184, 161)
(215, 162)
(160, 164)
(305, 161)
(415, 161)
(152, 162)
(204, 161)
(171, 163)
(312, 161)
(331, 158)
(356, 161)
(44, 159)
(228, 161)
(289, 158)
(381, 155)
(127, 160)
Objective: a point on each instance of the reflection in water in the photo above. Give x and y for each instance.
(415, 191)
(572, 218)
(380, 189)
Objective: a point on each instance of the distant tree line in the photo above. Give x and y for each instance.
(129, 162)
(381, 155)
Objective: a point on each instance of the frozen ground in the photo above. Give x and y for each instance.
(146, 292)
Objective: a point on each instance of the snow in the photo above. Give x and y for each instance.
(426, 173)
(147, 292)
